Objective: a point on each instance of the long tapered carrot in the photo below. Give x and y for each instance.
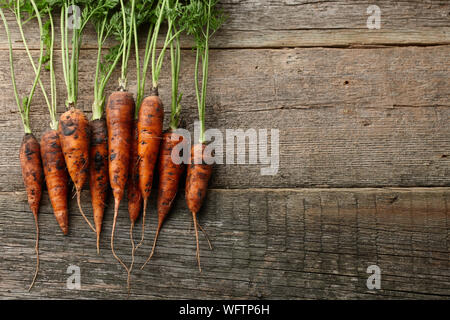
(169, 177)
(33, 176)
(198, 175)
(119, 120)
(150, 126)
(56, 177)
(199, 171)
(29, 153)
(133, 194)
(98, 172)
(74, 134)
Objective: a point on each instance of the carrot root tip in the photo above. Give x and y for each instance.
(143, 224)
(154, 246)
(82, 212)
(194, 216)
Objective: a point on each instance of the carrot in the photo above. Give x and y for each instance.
(207, 20)
(98, 172)
(119, 119)
(151, 110)
(29, 153)
(74, 134)
(150, 125)
(98, 164)
(198, 175)
(134, 195)
(56, 177)
(169, 178)
(33, 177)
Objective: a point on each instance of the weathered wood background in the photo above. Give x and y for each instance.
(364, 164)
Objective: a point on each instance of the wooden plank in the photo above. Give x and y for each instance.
(347, 118)
(305, 23)
(271, 244)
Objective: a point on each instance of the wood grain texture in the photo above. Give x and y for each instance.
(347, 117)
(306, 23)
(364, 122)
(269, 244)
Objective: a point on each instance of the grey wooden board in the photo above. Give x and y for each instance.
(270, 244)
(347, 117)
(368, 117)
(305, 23)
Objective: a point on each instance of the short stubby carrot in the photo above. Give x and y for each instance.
(197, 179)
(74, 134)
(169, 178)
(33, 176)
(98, 172)
(119, 120)
(150, 126)
(56, 177)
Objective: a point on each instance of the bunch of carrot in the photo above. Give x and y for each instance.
(123, 149)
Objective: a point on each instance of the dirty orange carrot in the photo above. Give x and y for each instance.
(151, 110)
(119, 120)
(74, 134)
(134, 194)
(169, 178)
(98, 161)
(29, 153)
(56, 177)
(198, 175)
(199, 170)
(33, 176)
(98, 172)
(150, 125)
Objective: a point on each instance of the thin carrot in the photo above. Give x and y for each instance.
(201, 20)
(98, 172)
(56, 177)
(198, 175)
(169, 178)
(33, 177)
(105, 25)
(151, 110)
(169, 172)
(119, 119)
(29, 153)
(134, 196)
(150, 126)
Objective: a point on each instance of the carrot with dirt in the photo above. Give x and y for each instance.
(201, 21)
(119, 119)
(30, 159)
(104, 23)
(151, 109)
(169, 171)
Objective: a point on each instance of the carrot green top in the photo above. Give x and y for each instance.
(201, 20)
(24, 104)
